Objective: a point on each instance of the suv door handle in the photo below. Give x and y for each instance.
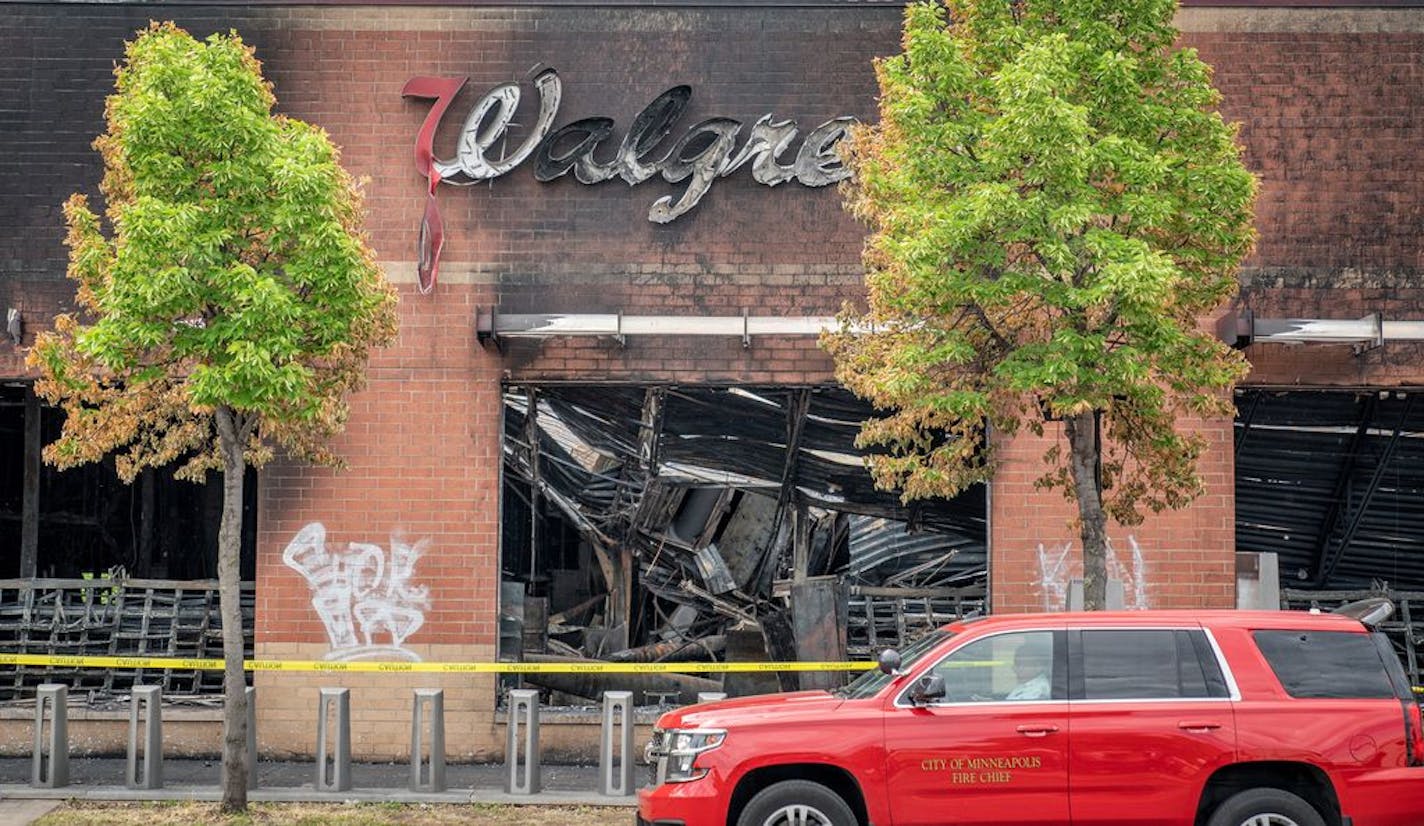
(1198, 726)
(1037, 729)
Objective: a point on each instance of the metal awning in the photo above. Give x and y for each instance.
(1244, 329)
(1241, 329)
(491, 325)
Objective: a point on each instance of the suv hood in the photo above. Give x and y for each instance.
(759, 708)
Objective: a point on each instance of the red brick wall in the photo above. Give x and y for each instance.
(1332, 124)
(1178, 559)
(422, 453)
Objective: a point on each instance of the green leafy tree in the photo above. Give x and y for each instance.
(1055, 205)
(229, 308)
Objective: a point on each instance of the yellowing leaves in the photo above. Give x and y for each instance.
(1052, 205)
(232, 275)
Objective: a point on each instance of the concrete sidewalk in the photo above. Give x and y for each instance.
(290, 782)
(25, 812)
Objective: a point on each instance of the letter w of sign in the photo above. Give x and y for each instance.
(470, 165)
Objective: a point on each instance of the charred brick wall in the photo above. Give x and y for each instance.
(1330, 103)
(542, 247)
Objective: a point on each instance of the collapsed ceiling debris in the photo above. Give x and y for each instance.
(671, 523)
(1330, 481)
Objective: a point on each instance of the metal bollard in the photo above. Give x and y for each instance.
(149, 698)
(338, 779)
(55, 773)
(616, 779)
(434, 774)
(711, 696)
(251, 737)
(523, 702)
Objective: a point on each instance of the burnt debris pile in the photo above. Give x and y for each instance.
(671, 524)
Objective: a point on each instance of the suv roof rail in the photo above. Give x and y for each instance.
(1371, 611)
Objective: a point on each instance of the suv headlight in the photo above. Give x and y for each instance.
(672, 752)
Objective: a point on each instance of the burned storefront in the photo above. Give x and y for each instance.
(669, 523)
(96, 567)
(606, 431)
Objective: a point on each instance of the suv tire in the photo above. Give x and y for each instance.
(1265, 807)
(797, 803)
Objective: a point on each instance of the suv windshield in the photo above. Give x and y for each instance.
(872, 681)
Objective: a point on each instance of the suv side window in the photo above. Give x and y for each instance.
(1017, 666)
(1325, 664)
(1144, 664)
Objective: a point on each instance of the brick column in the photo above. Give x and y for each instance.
(1176, 559)
(413, 524)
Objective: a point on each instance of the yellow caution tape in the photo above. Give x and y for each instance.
(363, 667)
(178, 664)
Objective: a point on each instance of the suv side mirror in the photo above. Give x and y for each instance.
(927, 689)
(889, 661)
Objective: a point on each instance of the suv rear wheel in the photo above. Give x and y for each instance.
(797, 803)
(1265, 807)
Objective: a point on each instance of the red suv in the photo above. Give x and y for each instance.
(1098, 719)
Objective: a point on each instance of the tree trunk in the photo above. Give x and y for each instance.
(234, 751)
(1085, 455)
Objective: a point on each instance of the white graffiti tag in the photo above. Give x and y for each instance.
(358, 586)
(1053, 575)
(1056, 568)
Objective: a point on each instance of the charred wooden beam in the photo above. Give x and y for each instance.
(682, 688)
(929, 566)
(798, 403)
(714, 519)
(531, 438)
(30, 498)
(721, 606)
(1247, 419)
(620, 598)
(650, 430)
(802, 526)
(1343, 476)
(577, 614)
(706, 649)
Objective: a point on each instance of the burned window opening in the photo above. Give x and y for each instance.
(1331, 482)
(670, 523)
(90, 522)
(115, 569)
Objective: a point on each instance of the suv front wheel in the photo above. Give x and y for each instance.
(1265, 807)
(796, 803)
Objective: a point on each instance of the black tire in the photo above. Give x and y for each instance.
(796, 803)
(1265, 807)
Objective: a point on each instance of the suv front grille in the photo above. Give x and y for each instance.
(655, 755)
